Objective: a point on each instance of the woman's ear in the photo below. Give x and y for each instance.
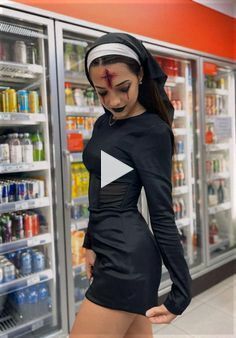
(141, 74)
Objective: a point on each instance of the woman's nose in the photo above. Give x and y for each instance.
(114, 101)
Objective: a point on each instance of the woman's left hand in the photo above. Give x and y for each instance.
(160, 315)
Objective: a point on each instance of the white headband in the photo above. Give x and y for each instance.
(111, 48)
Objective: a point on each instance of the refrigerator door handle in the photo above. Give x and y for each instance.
(68, 187)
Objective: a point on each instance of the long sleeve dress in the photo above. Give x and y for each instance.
(128, 265)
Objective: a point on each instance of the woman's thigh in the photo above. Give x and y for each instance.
(141, 327)
(95, 321)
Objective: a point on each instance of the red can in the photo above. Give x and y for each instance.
(28, 225)
(36, 226)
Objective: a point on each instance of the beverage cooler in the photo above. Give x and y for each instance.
(218, 156)
(182, 90)
(30, 290)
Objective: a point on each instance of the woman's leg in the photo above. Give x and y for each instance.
(95, 321)
(141, 327)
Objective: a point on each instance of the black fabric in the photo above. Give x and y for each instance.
(127, 270)
(151, 67)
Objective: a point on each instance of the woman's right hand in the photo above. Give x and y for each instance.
(90, 257)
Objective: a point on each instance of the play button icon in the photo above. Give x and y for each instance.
(111, 168)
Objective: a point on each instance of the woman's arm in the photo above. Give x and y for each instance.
(152, 157)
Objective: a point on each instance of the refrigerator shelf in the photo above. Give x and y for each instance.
(76, 157)
(218, 176)
(173, 80)
(80, 200)
(20, 167)
(179, 157)
(183, 222)
(217, 147)
(219, 208)
(25, 281)
(19, 70)
(10, 328)
(79, 224)
(179, 113)
(180, 190)
(212, 118)
(21, 118)
(26, 242)
(179, 131)
(89, 111)
(24, 205)
(216, 91)
(76, 78)
(221, 244)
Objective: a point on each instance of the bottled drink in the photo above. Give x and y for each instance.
(43, 294)
(4, 150)
(15, 148)
(181, 174)
(32, 302)
(69, 98)
(209, 136)
(175, 176)
(220, 192)
(38, 147)
(212, 196)
(213, 232)
(27, 148)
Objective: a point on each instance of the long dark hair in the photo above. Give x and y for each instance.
(149, 95)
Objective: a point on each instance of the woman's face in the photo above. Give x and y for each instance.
(117, 88)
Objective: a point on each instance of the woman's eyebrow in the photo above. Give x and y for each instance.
(115, 86)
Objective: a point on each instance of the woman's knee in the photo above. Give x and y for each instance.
(94, 320)
(141, 327)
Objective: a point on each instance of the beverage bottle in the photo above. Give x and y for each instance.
(4, 150)
(19, 303)
(211, 195)
(209, 136)
(74, 59)
(32, 302)
(15, 148)
(43, 294)
(214, 231)
(220, 193)
(183, 209)
(67, 61)
(27, 148)
(181, 174)
(69, 98)
(80, 58)
(176, 176)
(38, 146)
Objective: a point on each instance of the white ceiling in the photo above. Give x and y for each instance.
(227, 7)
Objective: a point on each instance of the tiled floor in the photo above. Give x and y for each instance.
(212, 314)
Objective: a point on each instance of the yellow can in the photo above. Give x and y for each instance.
(33, 102)
(12, 100)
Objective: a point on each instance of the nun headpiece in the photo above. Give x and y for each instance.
(116, 43)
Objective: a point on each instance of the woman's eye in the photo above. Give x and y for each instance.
(124, 90)
(102, 94)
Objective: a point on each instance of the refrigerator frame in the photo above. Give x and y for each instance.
(55, 169)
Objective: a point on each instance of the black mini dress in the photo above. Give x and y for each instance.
(128, 266)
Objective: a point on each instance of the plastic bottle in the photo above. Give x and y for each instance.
(43, 294)
(27, 149)
(69, 98)
(15, 148)
(32, 302)
(38, 147)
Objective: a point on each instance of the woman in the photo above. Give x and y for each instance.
(123, 258)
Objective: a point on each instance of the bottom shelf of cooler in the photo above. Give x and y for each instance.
(12, 325)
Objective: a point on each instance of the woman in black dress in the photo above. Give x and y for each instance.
(123, 257)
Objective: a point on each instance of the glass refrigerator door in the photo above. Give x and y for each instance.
(181, 90)
(219, 157)
(29, 297)
(79, 109)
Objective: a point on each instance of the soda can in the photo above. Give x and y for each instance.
(23, 101)
(4, 193)
(12, 192)
(12, 99)
(180, 147)
(26, 263)
(28, 225)
(5, 102)
(21, 191)
(38, 261)
(41, 188)
(9, 272)
(36, 227)
(19, 226)
(33, 102)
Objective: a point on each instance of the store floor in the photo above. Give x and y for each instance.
(210, 314)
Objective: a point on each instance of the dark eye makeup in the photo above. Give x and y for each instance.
(123, 90)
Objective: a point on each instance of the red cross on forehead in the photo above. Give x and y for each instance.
(108, 76)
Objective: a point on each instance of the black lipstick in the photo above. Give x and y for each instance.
(119, 110)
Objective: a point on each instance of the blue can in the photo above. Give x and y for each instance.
(23, 101)
(21, 191)
(4, 193)
(180, 147)
(25, 263)
(12, 192)
(38, 261)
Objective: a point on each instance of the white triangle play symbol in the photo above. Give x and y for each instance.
(111, 168)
